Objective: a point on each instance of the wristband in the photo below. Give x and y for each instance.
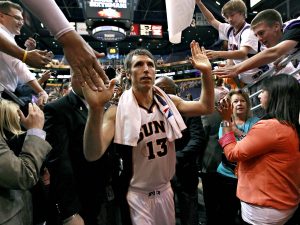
(24, 56)
(227, 139)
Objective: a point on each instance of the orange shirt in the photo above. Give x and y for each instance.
(269, 165)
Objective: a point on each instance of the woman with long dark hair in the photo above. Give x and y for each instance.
(268, 157)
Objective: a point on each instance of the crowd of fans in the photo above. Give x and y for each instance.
(101, 149)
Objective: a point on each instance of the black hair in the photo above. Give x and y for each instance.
(283, 99)
(139, 51)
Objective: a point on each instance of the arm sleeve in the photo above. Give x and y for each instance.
(63, 184)
(253, 144)
(22, 172)
(197, 142)
(50, 15)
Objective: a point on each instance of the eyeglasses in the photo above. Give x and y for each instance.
(18, 18)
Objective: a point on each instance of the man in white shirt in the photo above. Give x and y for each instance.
(13, 70)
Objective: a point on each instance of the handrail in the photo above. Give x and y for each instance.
(270, 72)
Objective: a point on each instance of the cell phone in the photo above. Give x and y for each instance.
(34, 99)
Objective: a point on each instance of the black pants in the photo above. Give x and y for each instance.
(221, 204)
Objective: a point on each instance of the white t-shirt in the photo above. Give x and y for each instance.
(12, 70)
(244, 38)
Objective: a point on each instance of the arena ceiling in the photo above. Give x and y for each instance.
(147, 12)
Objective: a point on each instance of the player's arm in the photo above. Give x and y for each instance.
(99, 132)
(205, 105)
(100, 127)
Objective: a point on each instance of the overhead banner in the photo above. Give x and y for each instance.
(108, 9)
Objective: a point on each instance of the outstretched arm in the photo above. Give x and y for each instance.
(79, 54)
(262, 58)
(205, 105)
(100, 127)
(34, 58)
(208, 15)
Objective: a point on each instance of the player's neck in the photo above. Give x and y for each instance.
(144, 99)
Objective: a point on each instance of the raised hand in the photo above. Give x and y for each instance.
(96, 99)
(225, 109)
(199, 59)
(35, 118)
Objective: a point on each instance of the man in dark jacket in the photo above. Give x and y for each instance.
(80, 191)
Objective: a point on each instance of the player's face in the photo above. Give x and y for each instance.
(142, 72)
(13, 21)
(267, 35)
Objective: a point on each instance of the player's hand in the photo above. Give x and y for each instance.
(199, 59)
(96, 99)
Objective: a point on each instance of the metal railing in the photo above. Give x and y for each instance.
(270, 72)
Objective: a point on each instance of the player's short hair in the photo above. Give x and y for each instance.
(138, 51)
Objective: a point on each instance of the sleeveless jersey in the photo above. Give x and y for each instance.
(154, 157)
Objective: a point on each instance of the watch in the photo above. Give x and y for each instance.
(225, 123)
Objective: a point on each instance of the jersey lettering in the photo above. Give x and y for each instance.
(151, 128)
(160, 153)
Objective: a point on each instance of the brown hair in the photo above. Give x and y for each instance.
(5, 6)
(233, 6)
(269, 16)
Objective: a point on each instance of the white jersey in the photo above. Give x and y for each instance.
(244, 38)
(154, 157)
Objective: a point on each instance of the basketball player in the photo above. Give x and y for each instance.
(149, 121)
